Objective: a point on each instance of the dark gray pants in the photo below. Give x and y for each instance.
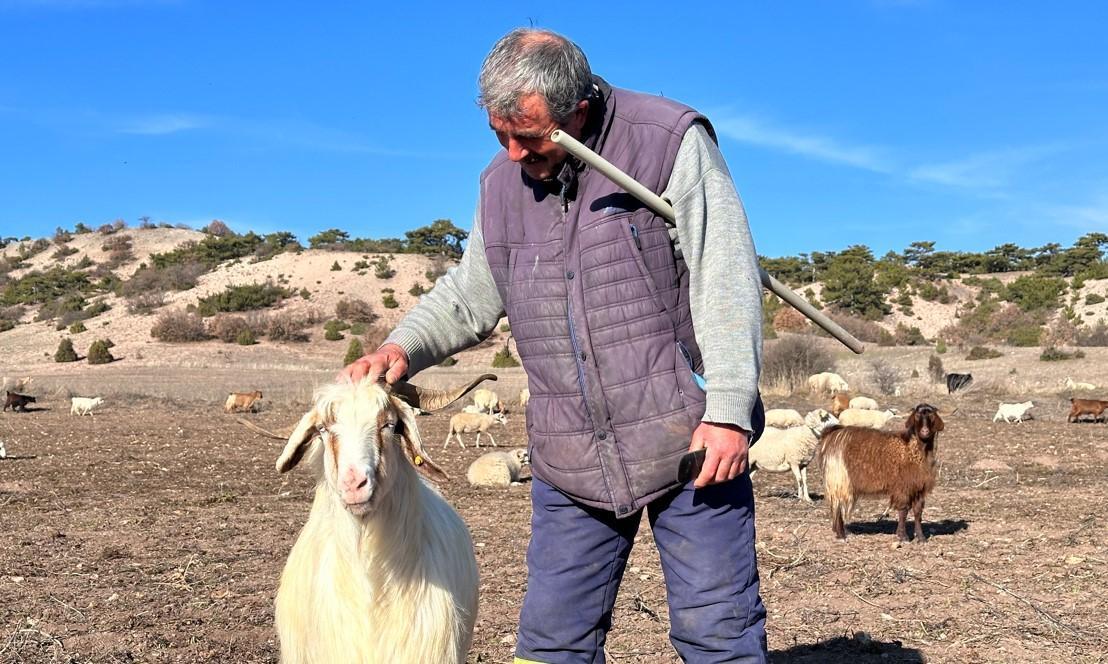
(577, 556)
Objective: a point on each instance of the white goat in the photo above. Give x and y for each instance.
(383, 570)
(828, 382)
(487, 401)
(873, 419)
(524, 397)
(3, 452)
(473, 422)
(1072, 385)
(863, 403)
(792, 449)
(1012, 411)
(84, 405)
(471, 409)
(497, 469)
(783, 418)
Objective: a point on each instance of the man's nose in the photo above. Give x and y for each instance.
(516, 151)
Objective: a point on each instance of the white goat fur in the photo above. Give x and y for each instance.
(3, 452)
(83, 405)
(873, 419)
(487, 401)
(792, 449)
(397, 584)
(471, 409)
(783, 418)
(1072, 385)
(863, 403)
(827, 382)
(1012, 411)
(497, 469)
(473, 422)
(524, 397)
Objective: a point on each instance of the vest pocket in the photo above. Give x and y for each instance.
(632, 238)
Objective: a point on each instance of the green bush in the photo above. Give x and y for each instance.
(77, 328)
(908, 336)
(65, 352)
(285, 327)
(355, 310)
(242, 298)
(1035, 293)
(335, 267)
(62, 252)
(382, 267)
(98, 353)
(331, 334)
(228, 328)
(246, 337)
(1093, 298)
(354, 352)
(982, 353)
(940, 346)
(389, 301)
(6, 324)
(449, 362)
(1025, 336)
(417, 289)
(504, 359)
(40, 287)
(358, 329)
(1053, 354)
(305, 294)
(179, 326)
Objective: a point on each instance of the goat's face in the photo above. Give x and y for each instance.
(925, 421)
(363, 435)
(818, 420)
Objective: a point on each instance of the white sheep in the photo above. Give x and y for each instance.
(863, 403)
(473, 422)
(487, 401)
(873, 419)
(792, 449)
(783, 418)
(1072, 385)
(497, 469)
(1013, 411)
(384, 569)
(84, 405)
(524, 397)
(828, 382)
(471, 409)
(3, 452)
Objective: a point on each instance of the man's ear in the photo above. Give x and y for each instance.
(299, 442)
(412, 445)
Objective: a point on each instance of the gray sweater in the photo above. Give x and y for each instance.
(725, 292)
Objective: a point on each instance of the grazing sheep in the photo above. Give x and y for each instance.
(783, 418)
(1079, 407)
(497, 469)
(839, 403)
(473, 422)
(242, 401)
(957, 381)
(779, 450)
(384, 569)
(17, 402)
(1013, 411)
(1072, 385)
(84, 405)
(524, 397)
(827, 382)
(873, 419)
(862, 462)
(471, 409)
(487, 401)
(862, 403)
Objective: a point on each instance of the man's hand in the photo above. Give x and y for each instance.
(726, 456)
(390, 360)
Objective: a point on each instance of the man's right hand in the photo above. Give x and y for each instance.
(389, 360)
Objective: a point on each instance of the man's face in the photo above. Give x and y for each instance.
(527, 137)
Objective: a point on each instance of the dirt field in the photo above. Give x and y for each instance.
(155, 532)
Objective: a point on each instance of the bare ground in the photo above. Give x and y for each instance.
(155, 531)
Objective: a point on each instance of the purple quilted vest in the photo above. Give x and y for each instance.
(599, 310)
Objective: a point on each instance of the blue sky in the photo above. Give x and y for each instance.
(876, 122)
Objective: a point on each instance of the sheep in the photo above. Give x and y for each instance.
(384, 568)
(471, 409)
(524, 397)
(839, 403)
(862, 462)
(1013, 411)
(244, 401)
(827, 382)
(957, 381)
(471, 422)
(778, 450)
(862, 403)
(3, 452)
(84, 405)
(487, 401)
(1072, 385)
(872, 419)
(1079, 407)
(497, 469)
(783, 418)
(17, 384)
(16, 401)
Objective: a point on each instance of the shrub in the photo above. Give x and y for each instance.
(449, 362)
(331, 334)
(39, 287)
(218, 229)
(505, 327)
(983, 353)
(1093, 298)
(382, 267)
(6, 325)
(1053, 354)
(145, 303)
(1024, 336)
(788, 362)
(228, 328)
(67, 305)
(389, 301)
(504, 358)
(788, 319)
(174, 277)
(98, 353)
(119, 250)
(940, 346)
(63, 252)
(908, 336)
(245, 337)
(65, 352)
(355, 310)
(884, 377)
(285, 327)
(1035, 293)
(1097, 335)
(61, 236)
(77, 328)
(242, 298)
(335, 267)
(305, 294)
(886, 338)
(862, 329)
(178, 327)
(417, 289)
(354, 352)
(935, 369)
(375, 335)
(358, 329)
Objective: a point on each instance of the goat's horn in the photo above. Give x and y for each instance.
(432, 400)
(265, 432)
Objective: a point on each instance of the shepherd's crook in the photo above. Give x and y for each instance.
(662, 207)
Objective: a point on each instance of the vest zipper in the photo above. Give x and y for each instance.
(635, 236)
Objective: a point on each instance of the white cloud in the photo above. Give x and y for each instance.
(756, 132)
(161, 124)
(990, 171)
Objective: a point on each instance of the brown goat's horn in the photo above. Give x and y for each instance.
(257, 429)
(432, 400)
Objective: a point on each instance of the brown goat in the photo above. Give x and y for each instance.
(243, 401)
(858, 461)
(16, 401)
(1079, 407)
(839, 403)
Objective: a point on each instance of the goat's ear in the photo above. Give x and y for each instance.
(938, 423)
(299, 442)
(412, 445)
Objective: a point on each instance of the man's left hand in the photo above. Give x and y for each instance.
(726, 456)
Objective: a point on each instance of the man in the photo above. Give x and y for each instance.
(613, 313)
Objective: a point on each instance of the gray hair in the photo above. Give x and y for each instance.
(528, 61)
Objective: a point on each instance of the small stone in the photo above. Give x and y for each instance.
(16, 579)
(1074, 560)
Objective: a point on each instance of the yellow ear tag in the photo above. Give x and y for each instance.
(418, 460)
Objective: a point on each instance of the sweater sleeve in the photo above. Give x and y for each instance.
(725, 292)
(460, 311)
